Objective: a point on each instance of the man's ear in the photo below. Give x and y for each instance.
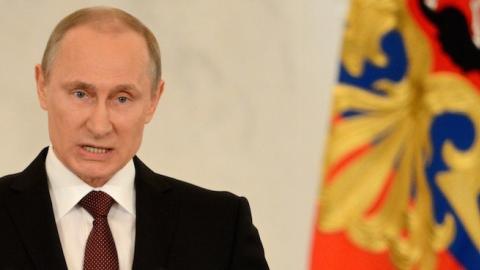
(154, 101)
(41, 91)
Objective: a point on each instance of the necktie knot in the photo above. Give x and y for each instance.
(97, 203)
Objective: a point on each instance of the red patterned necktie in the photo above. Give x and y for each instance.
(100, 251)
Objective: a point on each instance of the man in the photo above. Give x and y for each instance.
(87, 202)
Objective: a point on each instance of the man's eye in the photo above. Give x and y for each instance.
(79, 94)
(122, 99)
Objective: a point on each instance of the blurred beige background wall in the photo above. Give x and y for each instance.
(246, 106)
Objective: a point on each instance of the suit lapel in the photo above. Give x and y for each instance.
(156, 210)
(30, 207)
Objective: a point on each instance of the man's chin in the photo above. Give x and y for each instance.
(95, 181)
(95, 177)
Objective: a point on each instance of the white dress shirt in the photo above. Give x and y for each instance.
(74, 223)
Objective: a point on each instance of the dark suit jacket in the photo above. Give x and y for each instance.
(178, 225)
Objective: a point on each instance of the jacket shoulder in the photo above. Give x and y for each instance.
(6, 181)
(221, 221)
(191, 193)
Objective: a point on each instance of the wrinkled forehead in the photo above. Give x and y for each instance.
(107, 41)
(91, 53)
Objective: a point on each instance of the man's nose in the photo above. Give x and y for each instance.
(99, 123)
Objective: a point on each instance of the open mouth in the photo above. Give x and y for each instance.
(96, 150)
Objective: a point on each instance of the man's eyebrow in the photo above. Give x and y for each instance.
(126, 88)
(78, 85)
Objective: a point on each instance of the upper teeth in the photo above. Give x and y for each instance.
(95, 150)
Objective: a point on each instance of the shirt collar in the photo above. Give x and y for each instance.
(67, 189)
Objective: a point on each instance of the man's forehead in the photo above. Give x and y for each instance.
(86, 51)
(89, 38)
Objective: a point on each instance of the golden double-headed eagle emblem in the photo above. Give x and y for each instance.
(375, 180)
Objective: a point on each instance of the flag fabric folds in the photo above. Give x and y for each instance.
(401, 181)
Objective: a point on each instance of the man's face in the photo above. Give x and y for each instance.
(98, 97)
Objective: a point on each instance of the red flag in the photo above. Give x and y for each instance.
(401, 183)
